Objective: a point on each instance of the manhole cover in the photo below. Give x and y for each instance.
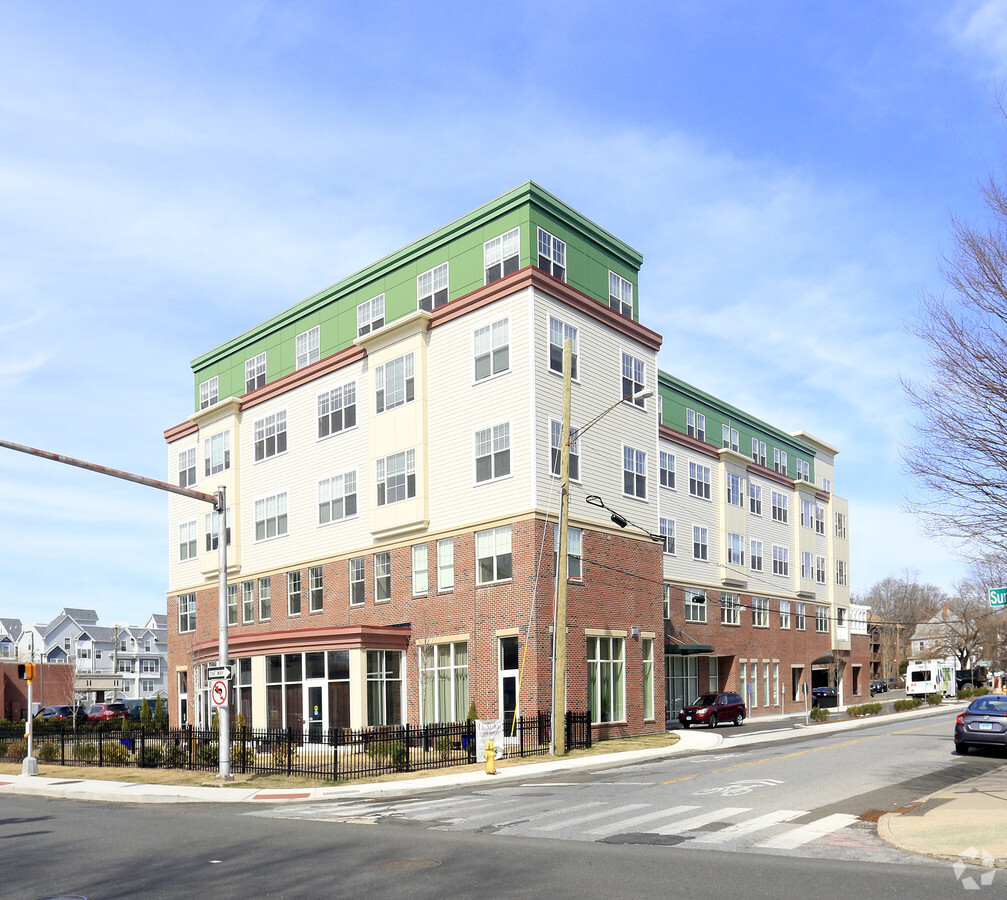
(409, 864)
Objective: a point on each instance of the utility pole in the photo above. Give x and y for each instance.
(559, 627)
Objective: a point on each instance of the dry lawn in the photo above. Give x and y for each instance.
(184, 777)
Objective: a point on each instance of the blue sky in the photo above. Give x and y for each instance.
(173, 174)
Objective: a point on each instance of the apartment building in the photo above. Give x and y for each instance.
(390, 450)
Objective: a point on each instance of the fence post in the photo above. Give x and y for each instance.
(244, 751)
(407, 743)
(290, 748)
(334, 735)
(141, 758)
(101, 760)
(188, 740)
(62, 748)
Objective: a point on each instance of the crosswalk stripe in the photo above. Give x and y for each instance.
(700, 820)
(563, 812)
(613, 827)
(743, 828)
(807, 833)
(556, 826)
(409, 806)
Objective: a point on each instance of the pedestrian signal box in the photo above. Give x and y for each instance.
(26, 671)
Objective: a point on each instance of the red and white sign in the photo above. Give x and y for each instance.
(218, 692)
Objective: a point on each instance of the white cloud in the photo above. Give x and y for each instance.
(980, 26)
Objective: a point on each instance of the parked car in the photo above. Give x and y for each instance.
(104, 712)
(711, 709)
(879, 687)
(47, 713)
(983, 723)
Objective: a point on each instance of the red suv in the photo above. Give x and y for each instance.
(713, 708)
(103, 712)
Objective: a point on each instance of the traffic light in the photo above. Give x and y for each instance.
(26, 671)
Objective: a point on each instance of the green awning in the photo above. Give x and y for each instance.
(686, 649)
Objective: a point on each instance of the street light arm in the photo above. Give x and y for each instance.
(639, 395)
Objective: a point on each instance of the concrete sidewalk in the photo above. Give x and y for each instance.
(969, 818)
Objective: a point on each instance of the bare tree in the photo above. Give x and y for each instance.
(959, 456)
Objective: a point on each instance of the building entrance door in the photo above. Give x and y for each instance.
(509, 672)
(316, 714)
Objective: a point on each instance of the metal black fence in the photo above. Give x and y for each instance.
(338, 754)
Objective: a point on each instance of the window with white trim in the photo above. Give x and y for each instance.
(502, 256)
(758, 451)
(265, 599)
(337, 409)
(255, 372)
(785, 614)
(700, 542)
(634, 472)
(730, 608)
(730, 438)
(760, 612)
(421, 569)
(735, 549)
(370, 315)
(186, 613)
(695, 424)
(780, 507)
(558, 334)
(247, 601)
(232, 604)
(647, 658)
(695, 606)
(432, 288)
(819, 520)
(307, 347)
(574, 551)
(444, 682)
(356, 581)
(842, 572)
(841, 525)
(755, 556)
(807, 565)
(780, 460)
(188, 539)
(620, 294)
(396, 477)
(270, 435)
(606, 688)
(781, 560)
(754, 498)
(316, 589)
(666, 593)
(212, 529)
(271, 517)
(187, 467)
(820, 569)
(394, 383)
(803, 469)
(667, 470)
(293, 593)
(337, 497)
(556, 448)
(807, 517)
(551, 255)
(633, 378)
(822, 619)
(668, 535)
(699, 480)
(735, 489)
(827, 485)
(209, 392)
(382, 576)
(446, 564)
(493, 554)
(492, 452)
(492, 349)
(217, 453)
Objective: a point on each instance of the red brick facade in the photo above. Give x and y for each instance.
(52, 687)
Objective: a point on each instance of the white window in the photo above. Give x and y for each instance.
(760, 612)
(384, 687)
(394, 383)
(755, 557)
(217, 453)
(271, 517)
(446, 564)
(842, 573)
(444, 682)
(432, 287)
(551, 255)
(337, 497)
(370, 315)
(556, 448)
(632, 378)
(492, 452)
(700, 542)
(306, 347)
(188, 538)
(647, 658)
(779, 507)
(695, 606)
(187, 467)
(807, 565)
(730, 609)
(255, 372)
(248, 601)
(316, 589)
(735, 489)
(337, 409)
(841, 525)
(396, 477)
(781, 560)
(209, 392)
(492, 349)
(819, 520)
(785, 614)
(634, 472)
(758, 451)
(265, 599)
(699, 480)
(695, 424)
(271, 435)
(606, 687)
(730, 437)
(754, 498)
(356, 581)
(421, 579)
(822, 619)
(820, 569)
(803, 469)
(212, 529)
(293, 593)
(807, 517)
(502, 255)
(780, 460)
(149, 666)
(667, 469)
(493, 554)
(558, 334)
(666, 590)
(574, 551)
(668, 534)
(620, 294)
(735, 549)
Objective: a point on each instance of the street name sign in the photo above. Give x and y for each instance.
(218, 672)
(998, 597)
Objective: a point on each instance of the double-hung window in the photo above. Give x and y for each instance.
(293, 593)
(493, 554)
(730, 437)
(356, 581)
(370, 315)
(819, 520)
(700, 542)
(730, 609)
(265, 599)
(271, 435)
(735, 549)
(606, 688)
(186, 613)
(758, 451)
(421, 569)
(187, 540)
(779, 507)
(754, 498)
(632, 378)
(394, 383)
(668, 535)
(316, 589)
(255, 372)
(842, 571)
(556, 449)
(187, 467)
(634, 472)
(699, 480)
(803, 470)
(807, 518)
(271, 517)
(396, 477)
(807, 565)
(306, 347)
(502, 255)
(695, 606)
(735, 489)
(667, 469)
(785, 614)
(444, 682)
(337, 409)
(755, 557)
(558, 334)
(841, 526)
(212, 529)
(217, 453)
(432, 287)
(799, 616)
(695, 424)
(551, 255)
(781, 560)
(620, 294)
(445, 564)
(248, 601)
(820, 568)
(780, 460)
(492, 452)
(232, 604)
(574, 551)
(822, 619)
(492, 349)
(209, 392)
(760, 612)
(337, 497)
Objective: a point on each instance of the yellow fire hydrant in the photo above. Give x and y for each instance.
(491, 758)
